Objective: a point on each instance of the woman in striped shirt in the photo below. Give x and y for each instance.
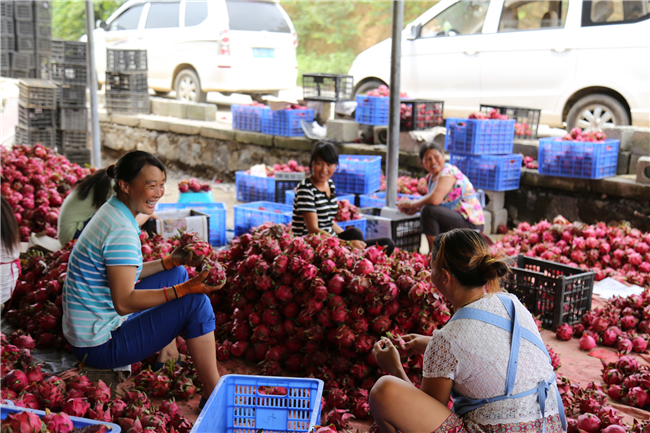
(315, 204)
(109, 318)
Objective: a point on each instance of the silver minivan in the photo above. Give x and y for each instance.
(199, 46)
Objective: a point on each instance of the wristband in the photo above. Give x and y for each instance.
(175, 292)
(165, 292)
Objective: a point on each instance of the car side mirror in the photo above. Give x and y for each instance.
(101, 25)
(413, 31)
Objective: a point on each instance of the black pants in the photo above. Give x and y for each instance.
(439, 219)
(354, 234)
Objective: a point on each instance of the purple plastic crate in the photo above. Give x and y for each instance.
(372, 110)
(579, 159)
(285, 122)
(479, 137)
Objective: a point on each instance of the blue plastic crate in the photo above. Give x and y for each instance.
(6, 410)
(580, 159)
(479, 137)
(240, 404)
(285, 122)
(372, 110)
(291, 194)
(378, 199)
(196, 197)
(360, 224)
(217, 212)
(247, 117)
(490, 172)
(358, 174)
(250, 215)
(286, 182)
(254, 188)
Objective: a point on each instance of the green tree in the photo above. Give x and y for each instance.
(69, 16)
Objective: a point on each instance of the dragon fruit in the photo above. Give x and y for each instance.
(57, 423)
(624, 346)
(587, 342)
(99, 393)
(564, 332)
(639, 344)
(184, 388)
(638, 397)
(616, 392)
(614, 428)
(16, 380)
(76, 407)
(216, 273)
(23, 422)
(589, 422)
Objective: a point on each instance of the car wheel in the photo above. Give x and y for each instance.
(188, 87)
(595, 112)
(367, 86)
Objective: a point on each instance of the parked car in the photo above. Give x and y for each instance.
(199, 46)
(581, 62)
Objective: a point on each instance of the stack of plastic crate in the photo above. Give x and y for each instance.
(36, 112)
(127, 90)
(26, 29)
(68, 64)
(482, 150)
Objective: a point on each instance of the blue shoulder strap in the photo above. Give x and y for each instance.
(463, 404)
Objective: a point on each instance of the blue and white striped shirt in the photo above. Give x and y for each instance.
(111, 238)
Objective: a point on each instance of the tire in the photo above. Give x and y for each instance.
(595, 112)
(188, 86)
(367, 86)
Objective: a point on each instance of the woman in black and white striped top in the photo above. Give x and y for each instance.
(315, 204)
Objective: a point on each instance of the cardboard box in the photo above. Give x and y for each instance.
(187, 220)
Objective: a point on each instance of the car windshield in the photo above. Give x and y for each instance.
(462, 18)
(256, 16)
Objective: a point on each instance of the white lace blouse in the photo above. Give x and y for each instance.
(475, 355)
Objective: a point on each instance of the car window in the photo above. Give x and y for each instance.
(163, 15)
(128, 20)
(532, 15)
(604, 12)
(462, 18)
(196, 11)
(256, 16)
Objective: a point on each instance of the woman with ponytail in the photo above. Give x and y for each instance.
(489, 356)
(118, 310)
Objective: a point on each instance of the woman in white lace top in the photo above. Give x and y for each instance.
(499, 383)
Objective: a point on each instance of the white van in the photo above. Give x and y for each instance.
(581, 62)
(199, 46)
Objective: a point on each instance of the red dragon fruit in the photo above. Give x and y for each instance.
(339, 418)
(99, 393)
(589, 422)
(616, 392)
(363, 267)
(624, 346)
(23, 422)
(216, 273)
(564, 332)
(58, 423)
(587, 342)
(639, 344)
(638, 397)
(16, 380)
(160, 385)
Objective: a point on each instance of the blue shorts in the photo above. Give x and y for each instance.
(148, 331)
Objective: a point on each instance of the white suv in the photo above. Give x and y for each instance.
(581, 62)
(199, 46)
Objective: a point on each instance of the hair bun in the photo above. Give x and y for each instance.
(110, 171)
(493, 267)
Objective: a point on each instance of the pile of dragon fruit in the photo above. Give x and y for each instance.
(291, 166)
(628, 382)
(620, 252)
(35, 181)
(187, 185)
(578, 134)
(407, 185)
(347, 212)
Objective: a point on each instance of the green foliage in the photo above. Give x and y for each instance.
(332, 33)
(69, 16)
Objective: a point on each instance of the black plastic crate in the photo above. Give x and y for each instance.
(7, 9)
(73, 119)
(5, 73)
(43, 29)
(5, 60)
(285, 182)
(6, 26)
(65, 73)
(36, 117)
(43, 11)
(327, 87)
(127, 82)
(22, 61)
(44, 136)
(36, 93)
(405, 232)
(23, 11)
(68, 141)
(126, 60)
(7, 43)
(71, 52)
(556, 293)
(22, 74)
(25, 28)
(43, 45)
(25, 44)
(71, 96)
(419, 114)
(127, 102)
(78, 156)
(527, 119)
